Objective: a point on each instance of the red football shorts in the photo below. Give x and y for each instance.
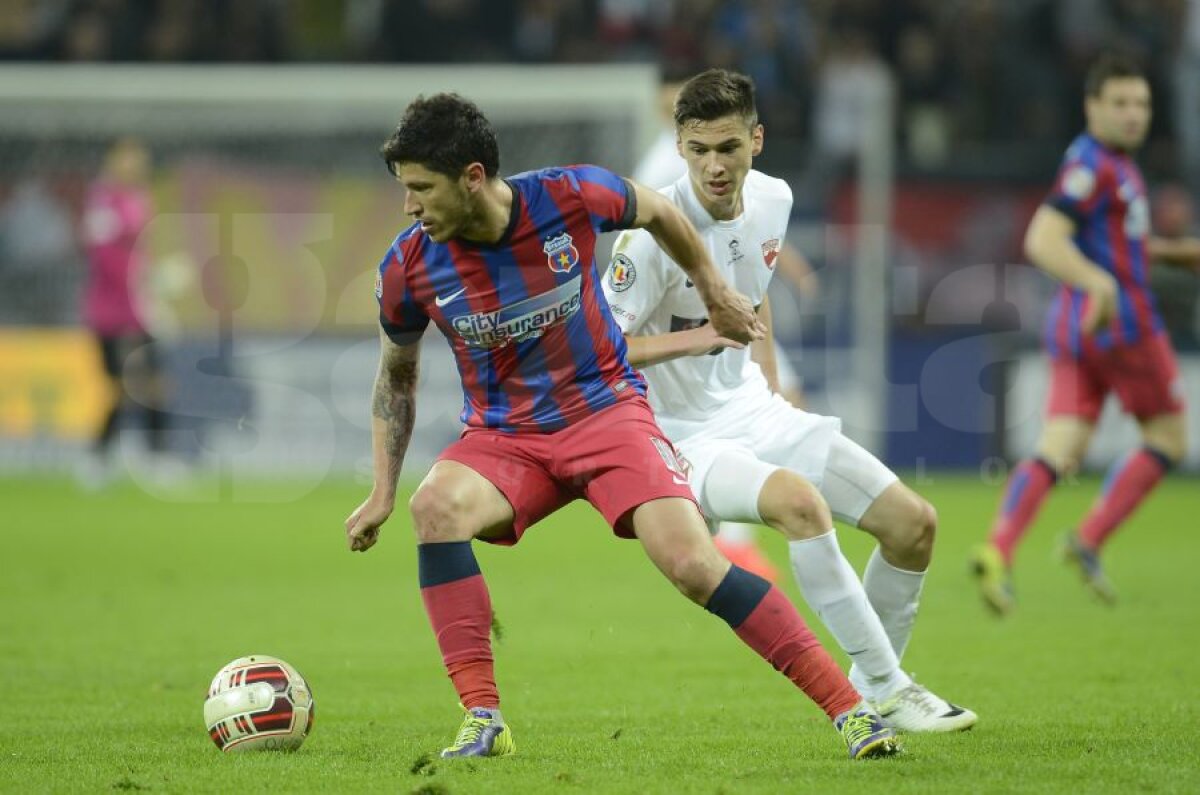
(1144, 376)
(616, 459)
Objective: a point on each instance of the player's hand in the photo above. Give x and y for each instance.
(706, 340)
(733, 316)
(362, 526)
(1101, 304)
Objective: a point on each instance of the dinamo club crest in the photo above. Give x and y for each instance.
(770, 251)
(561, 254)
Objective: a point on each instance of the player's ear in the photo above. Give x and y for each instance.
(474, 176)
(756, 140)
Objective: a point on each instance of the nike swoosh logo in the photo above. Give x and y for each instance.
(440, 301)
(688, 283)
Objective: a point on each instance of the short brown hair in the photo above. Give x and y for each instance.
(1110, 66)
(713, 94)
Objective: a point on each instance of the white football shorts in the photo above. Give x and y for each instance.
(732, 453)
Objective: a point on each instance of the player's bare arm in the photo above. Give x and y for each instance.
(763, 351)
(393, 411)
(652, 349)
(1049, 246)
(795, 267)
(1181, 252)
(731, 313)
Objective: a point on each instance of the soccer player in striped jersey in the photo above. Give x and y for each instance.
(505, 268)
(1103, 335)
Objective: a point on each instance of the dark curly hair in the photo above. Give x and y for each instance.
(715, 93)
(444, 133)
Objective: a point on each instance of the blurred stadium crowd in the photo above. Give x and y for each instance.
(968, 72)
(987, 95)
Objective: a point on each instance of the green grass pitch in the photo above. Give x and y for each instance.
(117, 609)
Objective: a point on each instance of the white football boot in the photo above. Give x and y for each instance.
(915, 709)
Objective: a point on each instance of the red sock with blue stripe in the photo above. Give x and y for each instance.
(1128, 483)
(460, 610)
(1024, 493)
(767, 622)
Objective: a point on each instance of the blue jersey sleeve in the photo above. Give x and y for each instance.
(1080, 186)
(402, 319)
(608, 197)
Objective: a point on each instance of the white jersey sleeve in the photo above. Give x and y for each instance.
(635, 282)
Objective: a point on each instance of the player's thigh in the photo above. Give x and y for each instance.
(1077, 389)
(455, 502)
(1166, 433)
(1064, 440)
(853, 480)
(726, 478)
(1146, 379)
(498, 488)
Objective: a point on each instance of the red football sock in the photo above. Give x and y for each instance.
(460, 611)
(1027, 487)
(768, 623)
(1127, 484)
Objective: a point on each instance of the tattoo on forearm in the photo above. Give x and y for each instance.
(395, 402)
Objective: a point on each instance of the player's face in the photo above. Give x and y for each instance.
(718, 155)
(129, 164)
(1120, 116)
(440, 203)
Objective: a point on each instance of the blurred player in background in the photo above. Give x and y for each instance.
(1104, 334)
(660, 166)
(752, 455)
(116, 306)
(505, 268)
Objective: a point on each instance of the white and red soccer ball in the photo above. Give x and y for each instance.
(258, 703)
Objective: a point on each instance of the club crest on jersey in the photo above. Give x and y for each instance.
(621, 274)
(770, 251)
(561, 254)
(1078, 182)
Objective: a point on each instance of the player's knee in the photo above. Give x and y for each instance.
(439, 513)
(798, 511)
(915, 528)
(694, 571)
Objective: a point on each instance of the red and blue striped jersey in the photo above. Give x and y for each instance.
(536, 346)
(1102, 190)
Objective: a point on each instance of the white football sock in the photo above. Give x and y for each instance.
(736, 532)
(832, 589)
(894, 594)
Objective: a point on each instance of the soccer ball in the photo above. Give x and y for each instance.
(258, 703)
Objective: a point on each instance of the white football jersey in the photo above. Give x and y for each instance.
(649, 294)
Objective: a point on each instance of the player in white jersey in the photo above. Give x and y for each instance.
(660, 166)
(754, 457)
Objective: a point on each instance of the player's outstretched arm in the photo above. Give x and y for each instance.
(1182, 252)
(731, 313)
(393, 411)
(644, 351)
(1049, 246)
